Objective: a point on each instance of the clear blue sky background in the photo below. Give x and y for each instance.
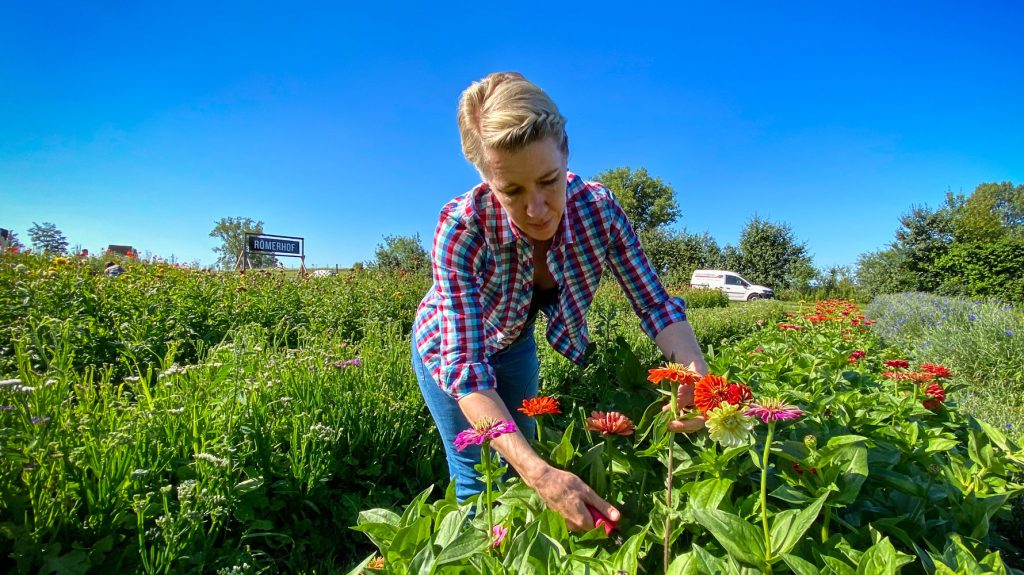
(143, 123)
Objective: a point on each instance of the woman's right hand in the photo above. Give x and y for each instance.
(568, 495)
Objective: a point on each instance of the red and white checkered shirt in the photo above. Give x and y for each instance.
(483, 282)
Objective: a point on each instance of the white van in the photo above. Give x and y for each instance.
(731, 283)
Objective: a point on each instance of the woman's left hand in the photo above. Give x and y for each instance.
(684, 400)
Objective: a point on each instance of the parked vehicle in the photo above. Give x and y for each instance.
(731, 283)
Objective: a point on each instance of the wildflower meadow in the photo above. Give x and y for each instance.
(173, 420)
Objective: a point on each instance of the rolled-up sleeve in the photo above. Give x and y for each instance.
(649, 298)
(457, 254)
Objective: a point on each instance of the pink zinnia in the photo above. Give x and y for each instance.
(483, 430)
(773, 410)
(498, 533)
(897, 363)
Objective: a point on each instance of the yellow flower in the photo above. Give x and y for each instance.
(728, 426)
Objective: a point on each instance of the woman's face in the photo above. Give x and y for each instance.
(530, 186)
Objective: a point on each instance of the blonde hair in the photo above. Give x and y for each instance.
(507, 112)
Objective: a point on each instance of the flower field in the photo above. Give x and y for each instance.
(179, 421)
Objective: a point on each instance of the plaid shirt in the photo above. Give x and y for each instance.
(483, 282)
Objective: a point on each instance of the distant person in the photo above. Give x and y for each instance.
(531, 237)
(113, 269)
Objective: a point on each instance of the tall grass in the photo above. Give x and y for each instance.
(981, 341)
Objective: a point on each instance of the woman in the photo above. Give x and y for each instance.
(531, 237)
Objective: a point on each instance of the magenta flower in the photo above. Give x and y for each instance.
(498, 533)
(483, 430)
(770, 410)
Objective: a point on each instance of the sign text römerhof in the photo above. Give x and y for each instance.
(267, 245)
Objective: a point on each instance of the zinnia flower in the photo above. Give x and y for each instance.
(498, 533)
(540, 406)
(897, 375)
(897, 363)
(920, 376)
(934, 396)
(673, 372)
(940, 372)
(729, 426)
(789, 326)
(712, 390)
(773, 410)
(856, 355)
(376, 563)
(483, 430)
(611, 423)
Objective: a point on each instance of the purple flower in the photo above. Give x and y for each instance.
(6, 408)
(1009, 332)
(40, 420)
(773, 410)
(483, 430)
(971, 317)
(354, 362)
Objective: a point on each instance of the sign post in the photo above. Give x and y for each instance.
(270, 244)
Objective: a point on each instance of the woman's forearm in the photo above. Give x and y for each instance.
(513, 446)
(679, 345)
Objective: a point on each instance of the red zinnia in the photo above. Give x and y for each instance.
(897, 375)
(934, 396)
(789, 326)
(611, 423)
(897, 363)
(940, 372)
(712, 390)
(540, 406)
(857, 354)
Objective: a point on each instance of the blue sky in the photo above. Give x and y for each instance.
(144, 123)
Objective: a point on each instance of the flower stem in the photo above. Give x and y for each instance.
(485, 458)
(540, 429)
(764, 491)
(824, 525)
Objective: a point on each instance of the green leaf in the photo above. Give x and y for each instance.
(415, 509)
(625, 559)
(380, 525)
(709, 493)
(940, 445)
(423, 562)
(564, 452)
(408, 541)
(800, 566)
(741, 539)
(882, 559)
(685, 564)
(449, 527)
(788, 527)
(838, 566)
(466, 545)
(358, 569)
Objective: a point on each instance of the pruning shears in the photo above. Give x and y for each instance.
(601, 521)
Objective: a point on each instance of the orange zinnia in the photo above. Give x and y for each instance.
(713, 390)
(673, 372)
(611, 423)
(540, 406)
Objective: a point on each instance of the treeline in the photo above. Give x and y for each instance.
(971, 246)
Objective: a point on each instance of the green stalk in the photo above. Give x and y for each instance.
(485, 458)
(824, 525)
(674, 407)
(540, 429)
(608, 454)
(764, 491)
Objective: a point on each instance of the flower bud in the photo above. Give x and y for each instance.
(810, 441)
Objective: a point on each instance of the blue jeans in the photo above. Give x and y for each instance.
(517, 370)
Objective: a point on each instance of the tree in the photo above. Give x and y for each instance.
(769, 253)
(402, 253)
(675, 254)
(231, 233)
(648, 202)
(11, 242)
(882, 272)
(991, 212)
(925, 236)
(47, 238)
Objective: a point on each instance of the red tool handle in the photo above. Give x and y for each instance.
(601, 521)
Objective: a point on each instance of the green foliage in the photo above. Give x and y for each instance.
(884, 272)
(992, 212)
(984, 269)
(648, 202)
(982, 342)
(47, 238)
(769, 253)
(402, 253)
(925, 236)
(675, 254)
(231, 234)
(867, 481)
